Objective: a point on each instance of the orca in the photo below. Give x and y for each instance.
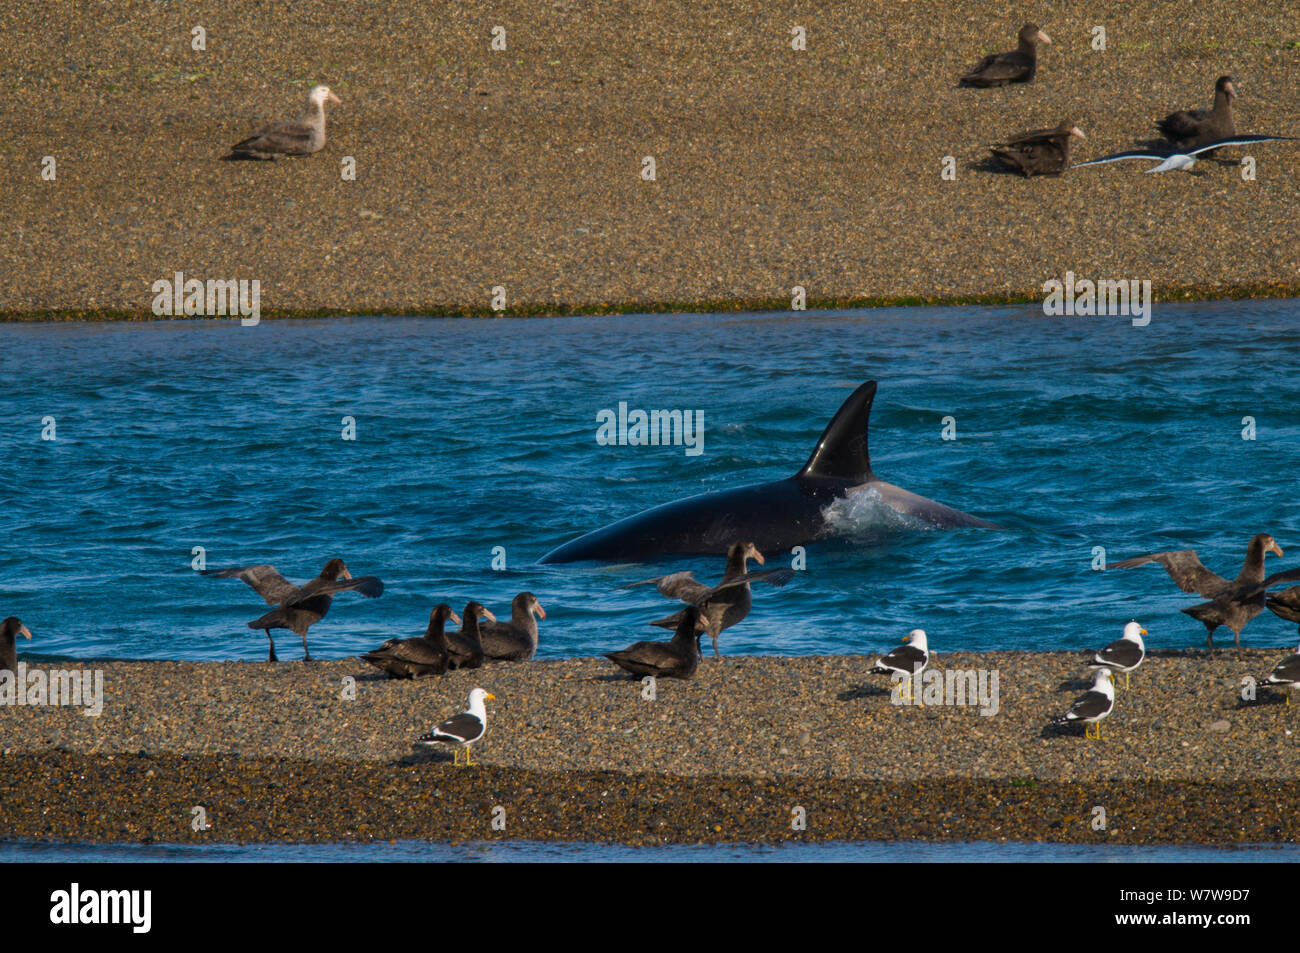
(777, 515)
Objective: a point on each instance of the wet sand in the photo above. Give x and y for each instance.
(522, 168)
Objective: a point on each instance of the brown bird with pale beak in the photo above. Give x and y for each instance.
(10, 629)
(1018, 66)
(1039, 152)
(1190, 128)
(301, 137)
(723, 605)
(1233, 602)
(298, 608)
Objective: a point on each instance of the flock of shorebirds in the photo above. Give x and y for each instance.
(1186, 134)
(711, 609)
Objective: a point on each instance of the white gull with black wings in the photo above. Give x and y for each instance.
(1125, 653)
(462, 730)
(1092, 706)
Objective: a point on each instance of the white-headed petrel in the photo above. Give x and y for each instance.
(774, 516)
(301, 137)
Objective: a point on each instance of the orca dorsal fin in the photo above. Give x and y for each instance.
(842, 452)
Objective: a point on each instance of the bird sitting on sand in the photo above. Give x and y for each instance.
(419, 657)
(907, 661)
(1018, 66)
(462, 730)
(516, 640)
(725, 604)
(1039, 152)
(1286, 673)
(10, 629)
(1092, 706)
(298, 608)
(677, 658)
(1186, 161)
(1233, 602)
(466, 646)
(1125, 653)
(1189, 128)
(301, 137)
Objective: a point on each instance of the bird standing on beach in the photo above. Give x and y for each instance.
(674, 659)
(516, 640)
(10, 629)
(1040, 152)
(466, 646)
(1189, 128)
(298, 608)
(1018, 66)
(462, 730)
(415, 658)
(908, 660)
(723, 605)
(1092, 706)
(301, 137)
(1125, 653)
(1286, 673)
(1233, 602)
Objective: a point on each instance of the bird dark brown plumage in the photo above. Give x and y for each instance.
(466, 646)
(10, 629)
(298, 608)
(1190, 128)
(677, 658)
(725, 604)
(1018, 66)
(1233, 602)
(425, 655)
(1040, 151)
(516, 640)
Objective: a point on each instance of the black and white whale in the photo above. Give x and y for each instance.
(775, 516)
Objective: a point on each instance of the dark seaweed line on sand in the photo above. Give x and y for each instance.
(139, 798)
(1162, 294)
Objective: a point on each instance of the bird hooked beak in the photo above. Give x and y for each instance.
(756, 555)
(490, 617)
(455, 619)
(334, 99)
(490, 697)
(1076, 131)
(1230, 90)
(908, 637)
(1142, 631)
(1043, 36)
(537, 606)
(25, 632)
(1273, 547)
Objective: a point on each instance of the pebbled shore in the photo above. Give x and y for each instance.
(522, 168)
(574, 752)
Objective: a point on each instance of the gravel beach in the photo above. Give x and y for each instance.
(522, 168)
(274, 752)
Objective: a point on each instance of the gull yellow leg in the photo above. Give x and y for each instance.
(1126, 679)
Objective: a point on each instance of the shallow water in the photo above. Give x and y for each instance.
(574, 852)
(1072, 433)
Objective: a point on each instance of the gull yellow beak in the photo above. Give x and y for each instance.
(1143, 631)
(490, 697)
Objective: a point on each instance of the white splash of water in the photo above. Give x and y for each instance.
(863, 513)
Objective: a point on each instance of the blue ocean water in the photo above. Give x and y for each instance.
(575, 852)
(473, 434)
